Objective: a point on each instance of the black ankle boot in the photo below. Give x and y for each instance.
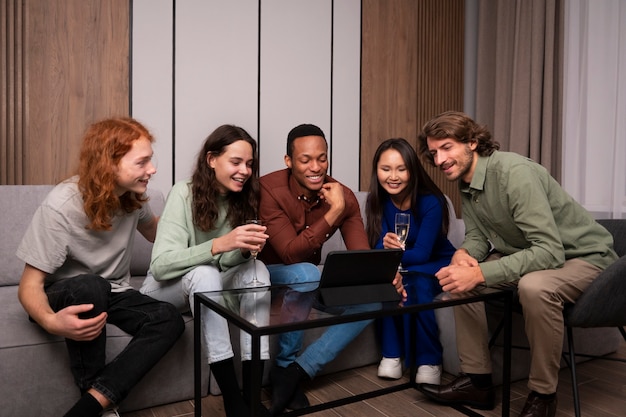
(298, 400)
(246, 385)
(285, 382)
(224, 373)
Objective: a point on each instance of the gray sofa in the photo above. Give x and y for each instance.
(35, 379)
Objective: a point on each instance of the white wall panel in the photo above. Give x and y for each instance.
(295, 73)
(216, 72)
(197, 66)
(346, 92)
(152, 56)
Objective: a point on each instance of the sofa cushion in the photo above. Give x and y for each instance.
(18, 330)
(17, 206)
(142, 249)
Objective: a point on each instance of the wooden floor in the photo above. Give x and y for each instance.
(602, 386)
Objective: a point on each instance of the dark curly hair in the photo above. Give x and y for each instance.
(458, 126)
(204, 187)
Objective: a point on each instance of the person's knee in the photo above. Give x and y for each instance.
(171, 317)
(533, 293)
(90, 284)
(425, 289)
(304, 272)
(528, 287)
(91, 289)
(204, 278)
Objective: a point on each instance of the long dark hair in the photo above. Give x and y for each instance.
(205, 189)
(420, 183)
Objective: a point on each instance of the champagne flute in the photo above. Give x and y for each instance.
(254, 253)
(403, 221)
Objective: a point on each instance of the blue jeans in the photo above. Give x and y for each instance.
(154, 325)
(296, 306)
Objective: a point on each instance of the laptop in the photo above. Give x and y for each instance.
(359, 276)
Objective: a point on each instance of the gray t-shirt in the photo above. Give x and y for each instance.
(58, 242)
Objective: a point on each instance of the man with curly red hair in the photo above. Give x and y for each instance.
(77, 252)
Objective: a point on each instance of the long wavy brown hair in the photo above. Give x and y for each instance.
(104, 144)
(420, 183)
(204, 185)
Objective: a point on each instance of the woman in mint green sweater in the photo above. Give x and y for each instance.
(203, 244)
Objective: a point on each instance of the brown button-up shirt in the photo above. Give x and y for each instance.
(296, 225)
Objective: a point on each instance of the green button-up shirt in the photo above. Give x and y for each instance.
(514, 206)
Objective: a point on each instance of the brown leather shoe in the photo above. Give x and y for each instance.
(538, 407)
(460, 391)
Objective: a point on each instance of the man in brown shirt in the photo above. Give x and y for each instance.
(302, 207)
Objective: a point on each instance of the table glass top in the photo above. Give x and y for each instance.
(282, 307)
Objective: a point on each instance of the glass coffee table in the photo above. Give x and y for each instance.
(261, 311)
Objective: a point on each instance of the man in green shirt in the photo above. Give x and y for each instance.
(522, 229)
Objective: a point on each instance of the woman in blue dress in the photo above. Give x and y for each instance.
(399, 184)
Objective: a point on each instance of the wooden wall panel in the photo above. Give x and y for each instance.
(440, 49)
(412, 69)
(73, 70)
(388, 76)
(78, 72)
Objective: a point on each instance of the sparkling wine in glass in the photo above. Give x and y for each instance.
(254, 253)
(403, 221)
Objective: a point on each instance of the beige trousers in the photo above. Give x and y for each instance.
(542, 295)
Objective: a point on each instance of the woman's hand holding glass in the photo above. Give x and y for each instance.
(256, 227)
(246, 238)
(391, 241)
(403, 221)
(255, 237)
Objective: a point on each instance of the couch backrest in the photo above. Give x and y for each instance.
(142, 249)
(17, 206)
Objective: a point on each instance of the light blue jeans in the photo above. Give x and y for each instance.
(253, 306)
(296, 306)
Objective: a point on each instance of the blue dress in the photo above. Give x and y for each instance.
(427, 251)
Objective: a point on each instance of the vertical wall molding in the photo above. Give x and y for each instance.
(13, 87)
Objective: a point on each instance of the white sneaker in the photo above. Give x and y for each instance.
(428, 374)
(110, 412)
(390, 368)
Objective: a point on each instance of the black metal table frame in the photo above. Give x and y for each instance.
(202, 299)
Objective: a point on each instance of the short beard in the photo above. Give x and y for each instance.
(469, 161)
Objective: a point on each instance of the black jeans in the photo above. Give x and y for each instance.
(154, 325)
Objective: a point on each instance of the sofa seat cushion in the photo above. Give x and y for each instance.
(16, 329)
